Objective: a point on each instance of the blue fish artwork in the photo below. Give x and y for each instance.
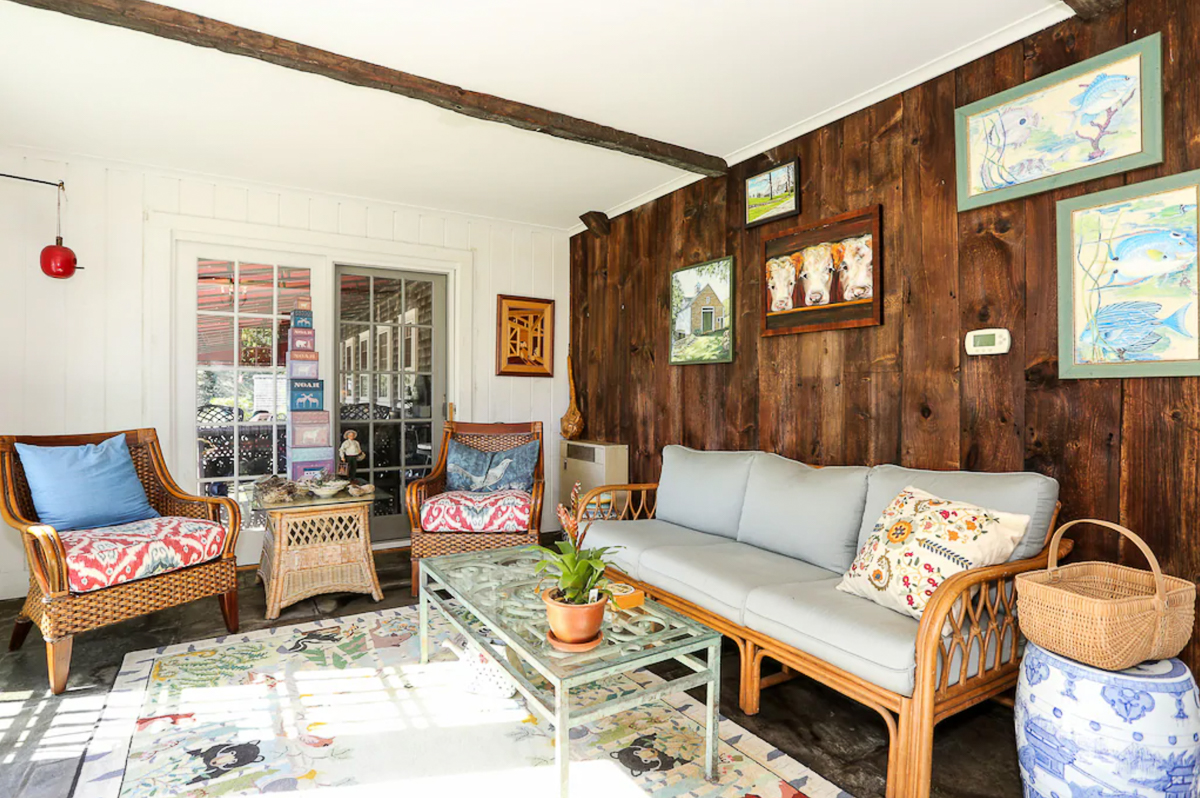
(1127, 330)
(1134, 287)
(1103, 93)
(1155, 253)
(1055, 128)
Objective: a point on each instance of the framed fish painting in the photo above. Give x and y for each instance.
(1127, 283)
(1099, 117)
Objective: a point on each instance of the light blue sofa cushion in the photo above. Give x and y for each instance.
(812, 514)
(719, 578)
(703, 490)
(1025, 492)
(637, 537)
(84, 487)
(851, 633)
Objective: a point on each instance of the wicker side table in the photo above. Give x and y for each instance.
(315, 546)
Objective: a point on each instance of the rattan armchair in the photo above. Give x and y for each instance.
(59, 613)
(488, 438)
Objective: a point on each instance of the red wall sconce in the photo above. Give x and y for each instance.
(58, 261)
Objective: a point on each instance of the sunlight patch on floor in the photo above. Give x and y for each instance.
(65, 734)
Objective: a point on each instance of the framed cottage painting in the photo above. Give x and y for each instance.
(702, 313)
(824, 276)
(772, 194)
(524, 336)
(1127, 281)
(1097, 118)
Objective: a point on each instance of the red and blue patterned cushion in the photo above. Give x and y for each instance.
(112, 555)
(464, 511)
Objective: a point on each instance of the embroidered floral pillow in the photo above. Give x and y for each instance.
(920, 541)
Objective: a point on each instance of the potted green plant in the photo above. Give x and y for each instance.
(575, 604)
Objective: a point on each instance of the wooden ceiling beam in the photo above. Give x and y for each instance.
(1088, 10)
(182, 26)
(597, 222)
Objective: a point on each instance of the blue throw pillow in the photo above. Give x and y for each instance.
(468, 468)
(83, 487)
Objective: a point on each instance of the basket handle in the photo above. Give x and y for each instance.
(1160, 584)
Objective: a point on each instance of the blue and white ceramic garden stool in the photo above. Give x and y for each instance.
(1082, 731)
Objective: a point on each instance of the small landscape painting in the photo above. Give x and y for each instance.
(1097, 118)
(772, 194)
(1128, 288)
(824, 276)
(702, 313)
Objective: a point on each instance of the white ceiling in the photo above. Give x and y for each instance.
(727, 77)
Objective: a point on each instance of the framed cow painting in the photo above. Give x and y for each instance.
(824, 276)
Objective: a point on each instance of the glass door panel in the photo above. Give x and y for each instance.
(241, 384)
(392, 380)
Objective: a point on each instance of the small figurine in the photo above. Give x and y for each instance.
(351, 453)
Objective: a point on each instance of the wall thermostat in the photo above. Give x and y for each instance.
(993, 341)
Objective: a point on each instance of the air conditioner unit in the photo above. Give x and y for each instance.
(592, 464)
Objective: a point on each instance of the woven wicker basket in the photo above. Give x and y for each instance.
(1105, 615)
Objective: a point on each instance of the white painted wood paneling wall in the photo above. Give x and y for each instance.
(71, 352)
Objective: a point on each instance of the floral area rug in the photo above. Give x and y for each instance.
(343, 707)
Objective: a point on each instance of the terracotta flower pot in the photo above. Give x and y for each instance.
(574, 623)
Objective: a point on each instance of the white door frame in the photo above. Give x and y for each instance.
(170, 352)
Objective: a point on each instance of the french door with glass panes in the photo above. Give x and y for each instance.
(391, 380)
(233, 321)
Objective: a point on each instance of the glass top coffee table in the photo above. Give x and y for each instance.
(498, 590)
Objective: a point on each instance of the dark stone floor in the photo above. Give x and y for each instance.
(42, 736)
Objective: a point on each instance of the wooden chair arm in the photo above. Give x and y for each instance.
(44, 550)
(535, 511)
(417, 492)
(976, 604)
(46, 556)
(186, 505)
(233, 512)
(641, 501)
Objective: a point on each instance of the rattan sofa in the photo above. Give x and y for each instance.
(487, 438)
(754, 545)
(60, 613)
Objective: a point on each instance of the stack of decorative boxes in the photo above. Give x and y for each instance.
(308, 443)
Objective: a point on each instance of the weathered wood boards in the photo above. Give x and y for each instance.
(1123, 450)
(182, 26)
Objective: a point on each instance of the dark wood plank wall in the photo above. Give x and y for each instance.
(905, 392)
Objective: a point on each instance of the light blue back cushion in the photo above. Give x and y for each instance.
(1024, 492)
(811, 514)
(468, 468)
(703, 491)
(84, 487)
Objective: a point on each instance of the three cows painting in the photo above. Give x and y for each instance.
(824, 276)
(816, 268)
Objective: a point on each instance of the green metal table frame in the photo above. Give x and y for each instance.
(497, 591)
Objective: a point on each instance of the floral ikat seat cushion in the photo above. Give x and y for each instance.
(113, 555)
(464, 511)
